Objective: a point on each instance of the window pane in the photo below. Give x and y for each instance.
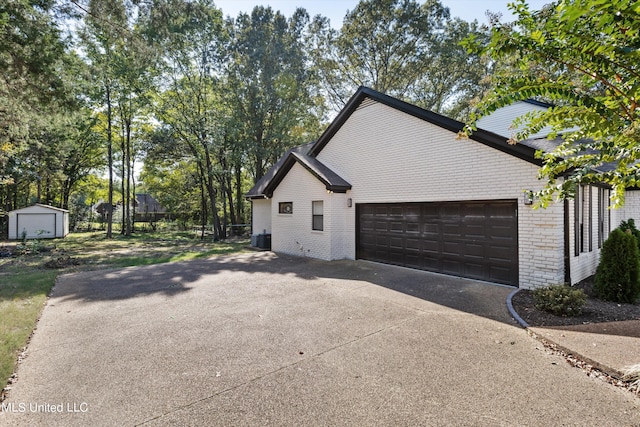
(318, 222)
(285, 207)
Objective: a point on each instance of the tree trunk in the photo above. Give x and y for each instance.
(239, 201)
(127, 156)
(110, 161)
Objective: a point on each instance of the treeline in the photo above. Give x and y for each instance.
(203, 105)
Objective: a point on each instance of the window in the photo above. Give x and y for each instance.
(603, 215)
(583, 220)
(285, 207)
(317, 216)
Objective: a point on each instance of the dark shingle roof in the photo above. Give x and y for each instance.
(268, 183)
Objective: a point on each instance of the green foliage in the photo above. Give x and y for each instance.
(618, 273)
(561, 300)
(30, 247)
(630, 226)
(582, 56)
(407, 49)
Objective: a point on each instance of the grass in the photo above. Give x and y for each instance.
(25, 282)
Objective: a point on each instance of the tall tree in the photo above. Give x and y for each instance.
(583, 56)
(387, 45)
(31, 52)
(191, 38)
(271, 85)
(105, 22)
(406, 49)
(456, 78)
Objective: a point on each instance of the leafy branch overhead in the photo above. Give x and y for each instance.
(581, 56)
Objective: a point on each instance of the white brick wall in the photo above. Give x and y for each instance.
(631, 209)
(292, 233)
(389, 156)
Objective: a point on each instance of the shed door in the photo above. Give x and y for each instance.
(477, 239)
(36, 224)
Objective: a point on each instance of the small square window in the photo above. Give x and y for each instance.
(285, 207)
(317, 216)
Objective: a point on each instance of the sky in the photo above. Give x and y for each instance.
(335, 10)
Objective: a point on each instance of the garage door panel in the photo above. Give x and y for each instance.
(471, 239)
(413, 227)
(397, 227)
(413, 244)
(475, 270)
(396, 243)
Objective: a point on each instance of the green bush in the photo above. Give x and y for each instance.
(561, 300)
(618, 272)
(630, 225)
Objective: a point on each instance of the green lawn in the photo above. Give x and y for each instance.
(25, 281)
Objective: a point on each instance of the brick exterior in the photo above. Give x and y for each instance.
(389, 156)
(292, 233)
(631, 209)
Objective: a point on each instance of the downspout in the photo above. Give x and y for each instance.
(567, 246)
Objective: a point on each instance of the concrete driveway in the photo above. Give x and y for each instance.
(265, 339)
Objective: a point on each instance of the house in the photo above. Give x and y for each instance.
(38, 222)
(148, 209)
(390, 182)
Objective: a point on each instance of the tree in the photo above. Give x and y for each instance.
(456, 79)
(105, 21)
(384, 44)
(582, 56)
(31, 88)
(270, 85)
(191, 39)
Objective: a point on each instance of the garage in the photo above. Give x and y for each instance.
(474, 239)
(38, 222)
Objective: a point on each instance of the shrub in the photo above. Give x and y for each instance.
(561, 300)
(618, 272)
(630, 226)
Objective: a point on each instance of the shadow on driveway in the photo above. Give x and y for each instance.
(480, 298)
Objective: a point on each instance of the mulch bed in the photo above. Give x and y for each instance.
(594, 311)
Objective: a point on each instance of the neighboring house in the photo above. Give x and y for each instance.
(148, 209)
(38, 222)
(102, 209)
(391, 182)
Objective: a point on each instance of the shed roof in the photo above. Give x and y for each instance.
(28, 208)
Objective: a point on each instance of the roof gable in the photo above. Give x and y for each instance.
(490, 139)
(268, 183)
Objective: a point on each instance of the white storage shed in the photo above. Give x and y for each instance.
(38, 222)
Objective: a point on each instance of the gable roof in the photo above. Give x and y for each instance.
(521, 150)
(40, 205)
(269, 182)
(306, 154)
(147, 203)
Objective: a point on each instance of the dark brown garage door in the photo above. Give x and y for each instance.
(476, 239)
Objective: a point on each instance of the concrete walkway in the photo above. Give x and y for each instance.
(262, 339)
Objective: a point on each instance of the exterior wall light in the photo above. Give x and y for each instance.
(349, 202)
(528, 197)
